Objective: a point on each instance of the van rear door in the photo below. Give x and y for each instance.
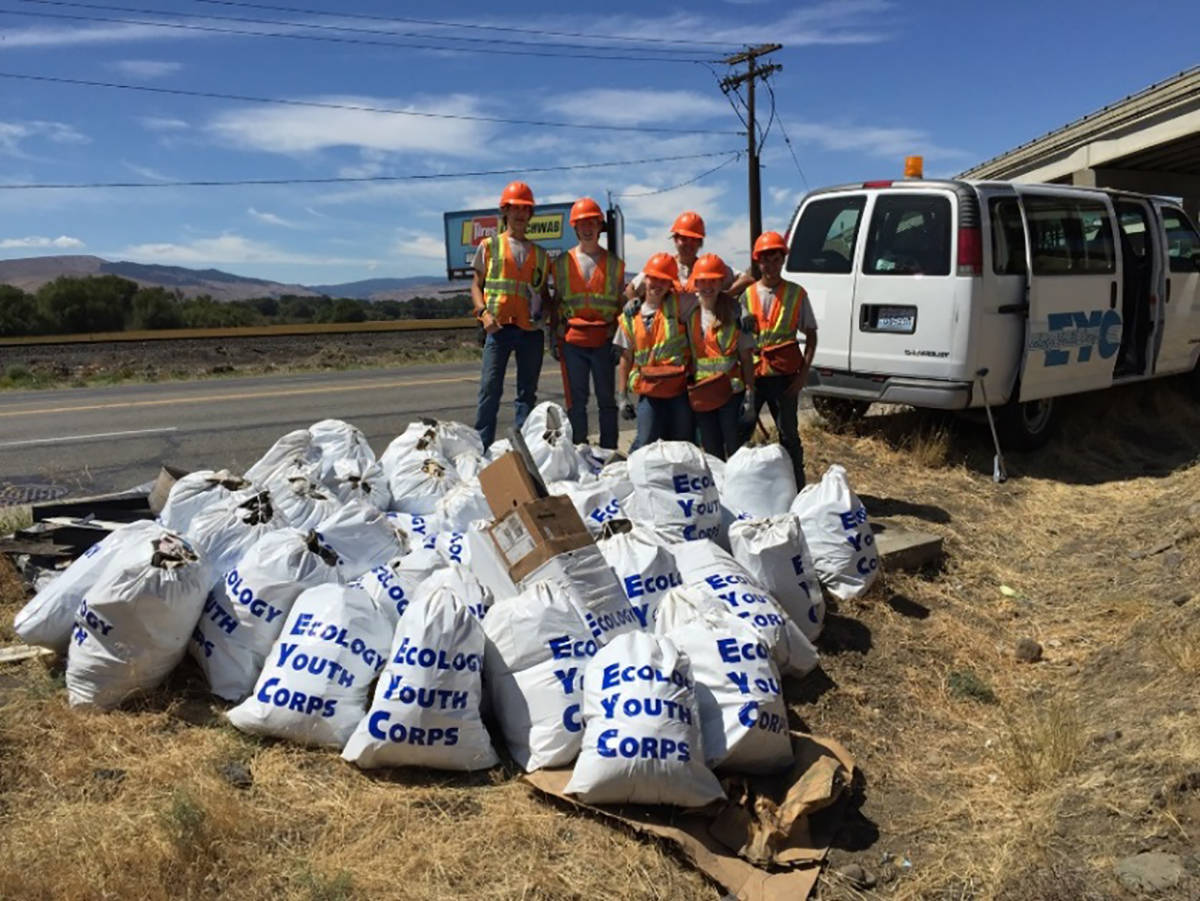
(823, 243)
(905, 315)
(1074, 328)
(1181, 326)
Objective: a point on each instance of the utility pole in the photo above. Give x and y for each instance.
(749, 77)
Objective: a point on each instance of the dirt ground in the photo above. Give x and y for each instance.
(982, 776)
(51, 365)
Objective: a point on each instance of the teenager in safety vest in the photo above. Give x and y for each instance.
(780, 312)
(509, 289)
(687, 233)
(655, 359)
(587, 282)
(723, 362)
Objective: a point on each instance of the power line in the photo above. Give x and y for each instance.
(429, 176)
(786, 139)
(707, 172)
(421, 114)
(444, 24)
(212, 29)
(508, 43)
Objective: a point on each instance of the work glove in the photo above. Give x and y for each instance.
(633, 307)
(627, 409)
(749, 413)
(617, 353)
(749, 324)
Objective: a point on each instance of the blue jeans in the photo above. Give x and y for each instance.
(598, 363)
(720, 429)
(663, 419)
(496, 350)
(772, 391)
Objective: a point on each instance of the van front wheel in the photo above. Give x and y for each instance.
(839, 412)
(1027, 426)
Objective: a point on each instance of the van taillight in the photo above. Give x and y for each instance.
(970, 251)
(882, 183)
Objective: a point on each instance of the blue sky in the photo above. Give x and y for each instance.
(864, 83)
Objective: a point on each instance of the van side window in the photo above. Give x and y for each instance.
(909, 235)
(1134, 227)
(1069, 236)
(825, 236)
(1008, 236)
(1183, 245)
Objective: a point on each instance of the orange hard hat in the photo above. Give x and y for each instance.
(662, 265)
(709, 266)
(688, 224)
(585, 208)
(516, 192)
(768, 241)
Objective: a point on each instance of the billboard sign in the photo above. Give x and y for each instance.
(467, 229)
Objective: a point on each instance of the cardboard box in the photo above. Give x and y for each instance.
(536, 530)
(508, 483)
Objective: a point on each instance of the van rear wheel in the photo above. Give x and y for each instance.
(839, 412)
(1027, 426)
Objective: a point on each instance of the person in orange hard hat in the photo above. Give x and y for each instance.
(779, 312)
(508, 292)
(722, 389)
(655, 359)
(587, 285)
(687, 234)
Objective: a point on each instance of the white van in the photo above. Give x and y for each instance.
(918, 285)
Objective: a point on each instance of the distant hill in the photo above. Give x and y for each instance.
(30, 273)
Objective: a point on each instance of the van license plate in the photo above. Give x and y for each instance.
(896, 319)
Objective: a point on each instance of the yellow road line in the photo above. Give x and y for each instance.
(246, 395)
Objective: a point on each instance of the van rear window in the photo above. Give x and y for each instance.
(909, 235)
(824, 238)
(1069, 236)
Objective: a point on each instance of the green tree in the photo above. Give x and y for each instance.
(346, 309)
(98, 303)
(155, 308)
(18, 313)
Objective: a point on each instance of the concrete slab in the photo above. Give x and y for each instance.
(903, 548)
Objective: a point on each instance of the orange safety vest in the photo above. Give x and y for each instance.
(505, 283)
(664, 344)
(775, 335)
(716, 350)
(589, 308)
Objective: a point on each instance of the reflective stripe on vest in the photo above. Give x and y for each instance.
(665, 345)
(594, 301)
(784, 321)
(715, 351)
(505, 285)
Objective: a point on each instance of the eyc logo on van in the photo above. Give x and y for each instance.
(1079, 331)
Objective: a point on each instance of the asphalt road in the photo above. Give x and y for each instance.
(79, 441)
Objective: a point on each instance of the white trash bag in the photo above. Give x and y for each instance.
(460, 582)
(134, 622)
(245, 612)
(425, 711)
(195, 492)
(774, 552)
(416, 436)
(462, 505)
(585, 577)
(303, 502)
(759, 481)
(726, 583)
(594, 500)
(340, 440)
(742, 710)
(317, 678)
(674, 491)
(838, 534)
(616, 476)
(394, 584)
(414, 528)
(362, 537)
(223, 533)
(419, 480)
(469, 464)
(538, 647)
(642, 739)
(644, 567)
(547, 433)
(294, 448)
(49, 617)
(351, 480)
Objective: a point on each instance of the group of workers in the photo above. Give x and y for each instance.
(689, 346)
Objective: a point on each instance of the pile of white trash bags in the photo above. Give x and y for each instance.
(346, 601)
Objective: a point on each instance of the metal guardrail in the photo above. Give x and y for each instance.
(249, 331)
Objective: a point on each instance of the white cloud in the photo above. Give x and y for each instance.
(293, 130)
(14, 134)
(226, 248)
(163, 123)
(612, 106)
(421, 245)
(39, 36)
(62, 242)
(146, 69)
(271, 219)
(146, 172)
(895, 143)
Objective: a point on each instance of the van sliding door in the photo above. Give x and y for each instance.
(1074, 330)
(1181, 326)
(821, 260)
